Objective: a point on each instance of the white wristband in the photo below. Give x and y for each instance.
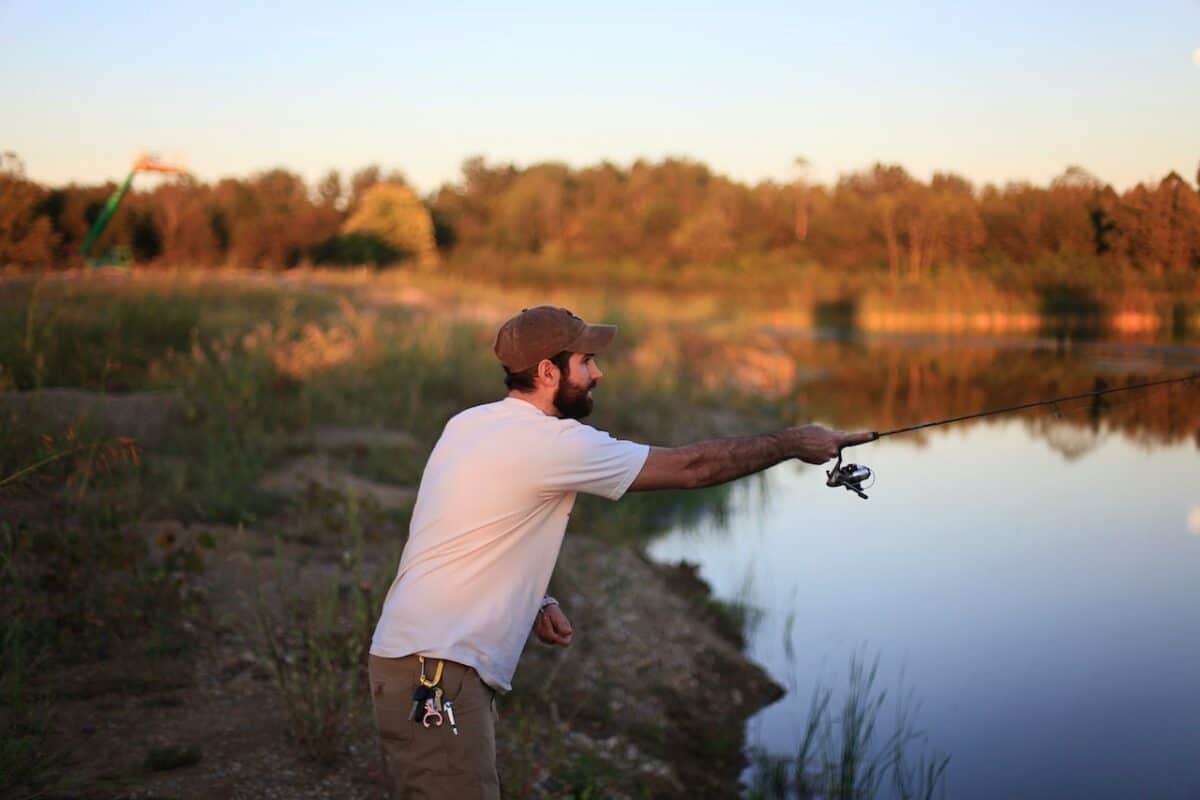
(547, 601)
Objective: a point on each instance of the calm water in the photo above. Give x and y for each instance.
(1035, 583)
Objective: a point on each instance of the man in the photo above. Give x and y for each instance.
(485, 534)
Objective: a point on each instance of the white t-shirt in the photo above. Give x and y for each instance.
(486, 530)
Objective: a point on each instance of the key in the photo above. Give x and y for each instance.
(450, 716)
(419, 698)
(437, 699)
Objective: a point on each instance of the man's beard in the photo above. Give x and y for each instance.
(572, 401)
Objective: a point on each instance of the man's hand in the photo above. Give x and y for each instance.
(816, 444)
(708, 463)
(552, 626)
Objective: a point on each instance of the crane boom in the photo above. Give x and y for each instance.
(144, 163)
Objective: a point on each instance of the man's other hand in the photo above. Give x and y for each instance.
(553, 627)
(816, 444)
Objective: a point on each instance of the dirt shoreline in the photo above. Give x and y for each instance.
(640, 705)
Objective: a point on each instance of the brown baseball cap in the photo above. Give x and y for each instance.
(542, 331)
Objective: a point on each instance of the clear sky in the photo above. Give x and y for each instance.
(998, 91)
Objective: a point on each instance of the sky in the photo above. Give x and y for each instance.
(994, 92)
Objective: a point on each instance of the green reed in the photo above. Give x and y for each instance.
(844, 756)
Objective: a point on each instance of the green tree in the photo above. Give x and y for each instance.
(394, 213)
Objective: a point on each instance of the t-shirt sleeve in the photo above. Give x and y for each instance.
(583, 459)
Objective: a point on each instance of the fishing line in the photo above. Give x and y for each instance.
(853, 476)
(1034, 404)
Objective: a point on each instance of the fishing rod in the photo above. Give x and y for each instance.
(853, 476)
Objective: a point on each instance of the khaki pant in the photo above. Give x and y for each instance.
(432, 762)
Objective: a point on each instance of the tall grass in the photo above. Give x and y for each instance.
(310, 653)
(315, 644)
(27, 755)
(843, 755)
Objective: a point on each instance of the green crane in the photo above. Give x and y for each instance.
(144, 163)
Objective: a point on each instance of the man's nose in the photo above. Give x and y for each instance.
(596, 373)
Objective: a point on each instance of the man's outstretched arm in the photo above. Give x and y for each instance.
(708, 463)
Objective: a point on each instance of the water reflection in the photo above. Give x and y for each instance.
(1034, 576)
(880, 381)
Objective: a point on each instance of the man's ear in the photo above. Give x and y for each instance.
(548, 372)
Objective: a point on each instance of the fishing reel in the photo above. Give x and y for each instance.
(851, 476)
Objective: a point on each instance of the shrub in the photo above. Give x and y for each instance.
(352, 249)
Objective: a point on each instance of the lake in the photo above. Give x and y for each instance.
(1033, 580)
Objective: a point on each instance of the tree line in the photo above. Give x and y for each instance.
(671, 213)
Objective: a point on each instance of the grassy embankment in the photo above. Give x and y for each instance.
(1053, 295)
(104, 592)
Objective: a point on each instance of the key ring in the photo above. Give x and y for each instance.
(431, 713)
(437, 674)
